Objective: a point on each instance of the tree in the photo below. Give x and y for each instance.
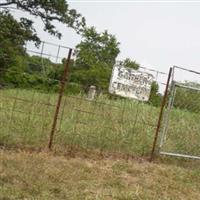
(188, 98)
(49, 11)
(98, 76)
(96, 49)
(155, 97)
(129, 63)
(95, 57)
(13, 35)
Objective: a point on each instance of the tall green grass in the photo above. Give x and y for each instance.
(104, 125)
(183, 133)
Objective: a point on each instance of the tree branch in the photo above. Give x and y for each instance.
(7, 4)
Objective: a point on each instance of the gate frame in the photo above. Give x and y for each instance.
(164, 100)
(172, 95)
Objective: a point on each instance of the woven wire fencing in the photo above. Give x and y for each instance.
(109, 124)
(28, 97)
(181, 128)
(106, 124)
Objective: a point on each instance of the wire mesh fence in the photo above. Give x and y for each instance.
(105, 124)
(108, 124)
(28, 99)
(180, 134)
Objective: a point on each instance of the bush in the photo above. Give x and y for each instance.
(188, 99)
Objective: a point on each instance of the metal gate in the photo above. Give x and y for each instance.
(180, 130)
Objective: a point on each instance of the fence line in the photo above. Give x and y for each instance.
(34, 116)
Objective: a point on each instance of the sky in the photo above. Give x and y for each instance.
(157, 34)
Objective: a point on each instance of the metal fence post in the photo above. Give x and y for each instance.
(61, 92)
(161, 114)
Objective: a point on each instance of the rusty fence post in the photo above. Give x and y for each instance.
(61, 92)
(161, 115)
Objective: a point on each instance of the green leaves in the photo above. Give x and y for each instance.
(129, 63)
(188, 98)
(49, 12)
(13, 35)
(96, 56)
(17, 32)
(155, 96)
(96, 48)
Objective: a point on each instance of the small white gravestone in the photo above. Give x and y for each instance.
(91, 93)
(130, 83)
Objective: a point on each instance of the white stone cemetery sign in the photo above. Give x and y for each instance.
(130, 83)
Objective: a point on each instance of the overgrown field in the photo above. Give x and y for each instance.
(43, 176)
(104, 125)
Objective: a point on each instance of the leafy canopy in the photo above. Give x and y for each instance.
(95, 57)
(188, 98)
(49, 11)
(13, 35)
(129, 63)
(96, 49)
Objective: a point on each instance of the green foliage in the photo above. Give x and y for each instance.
(96, 49)
(73, 88)
(96, 55)
(49, 12)
(130, 64)
(16, 32)
(13, 75)
(37, 64)
(188, 99)
(13, 36)
(98, 76)
(155, 98)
